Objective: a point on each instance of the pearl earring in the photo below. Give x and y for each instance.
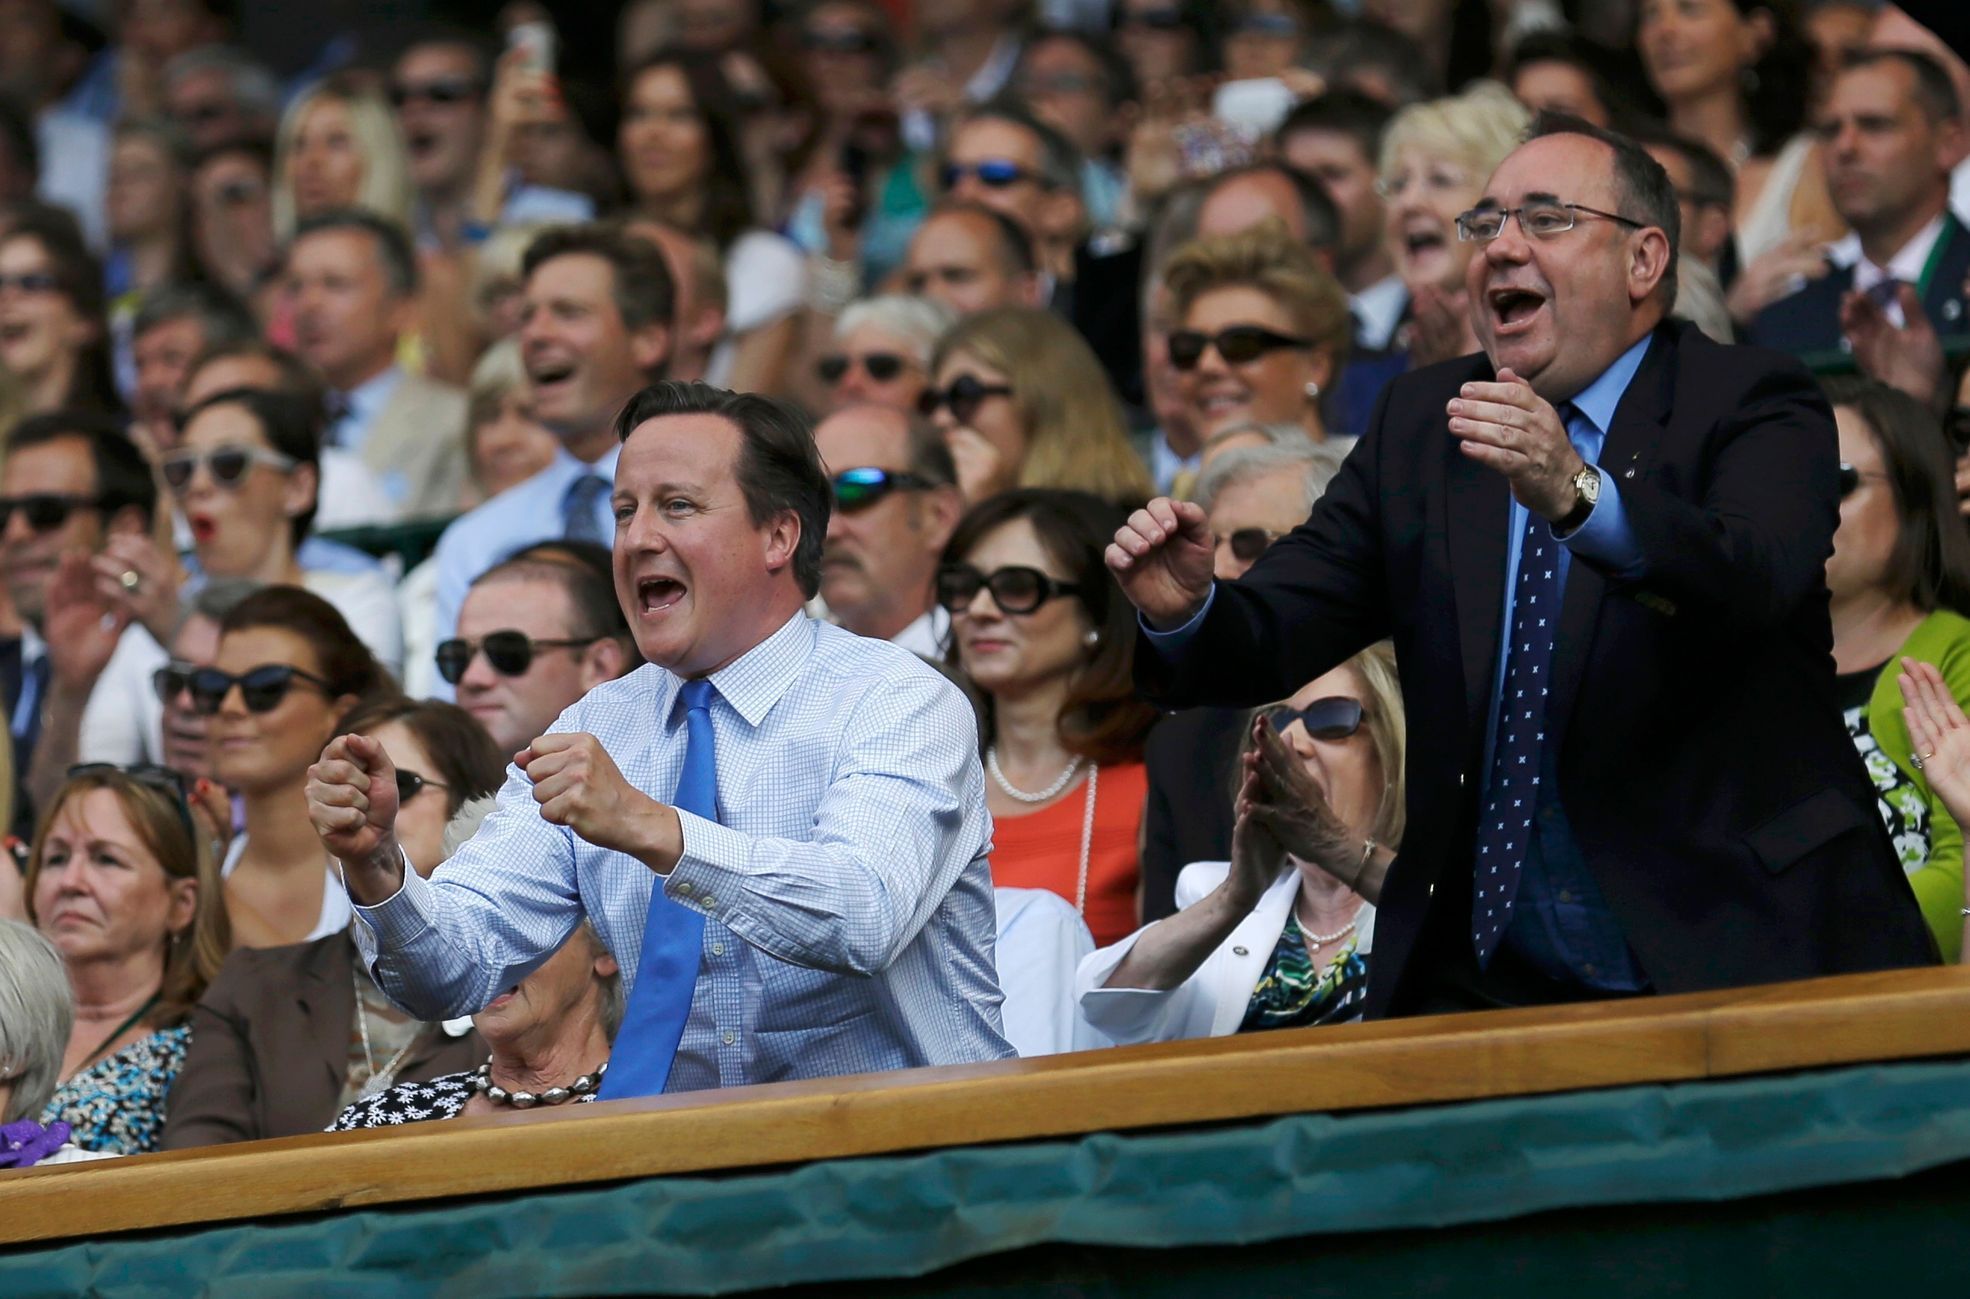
(1312, 390)
(1092, 639)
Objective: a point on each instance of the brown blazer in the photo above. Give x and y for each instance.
(420, 434)
(270, 1047)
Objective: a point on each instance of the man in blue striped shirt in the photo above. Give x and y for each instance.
(846, 906)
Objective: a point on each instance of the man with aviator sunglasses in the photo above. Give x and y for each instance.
(896, 504)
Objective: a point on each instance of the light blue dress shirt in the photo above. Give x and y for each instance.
(521, 516)
(848, 907)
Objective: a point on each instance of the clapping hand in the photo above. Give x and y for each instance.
(1509, 427)
(82, 626)
(1287, 801)
(1908, 356)
(1940, 735)
(1256, 853)
(140, 582)
(1162, 558)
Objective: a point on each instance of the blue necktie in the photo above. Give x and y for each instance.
(667, 973)
(578, 509)
(1505, 828)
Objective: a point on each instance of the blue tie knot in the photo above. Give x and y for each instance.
(697, 695)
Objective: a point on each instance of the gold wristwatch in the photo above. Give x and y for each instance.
(1586, 491)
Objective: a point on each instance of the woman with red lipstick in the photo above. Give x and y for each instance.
(246, 474)
(287, 672)
(286, 1037)
(1264, 331)
(123, 885)
(1040, 629)
(1435, 160)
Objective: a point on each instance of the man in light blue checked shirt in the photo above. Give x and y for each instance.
(846, 905)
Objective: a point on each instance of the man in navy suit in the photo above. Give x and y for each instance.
(1891, 131)
(1600, 549)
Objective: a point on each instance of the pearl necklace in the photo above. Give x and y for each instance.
(1019, 795)
(482, 1082)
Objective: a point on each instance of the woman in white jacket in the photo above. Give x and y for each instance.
(1272, 939)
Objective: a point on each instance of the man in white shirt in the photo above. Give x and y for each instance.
(596, 326)
(896, 504)
(1890, 131)
(81, 668)
(809, 802)
(353, 279)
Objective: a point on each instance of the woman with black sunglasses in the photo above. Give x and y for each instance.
(1275, 938)
(288, 1036)
(1039, 628)
(1900, 581)
(246, 476)
(1262, 331)
(287, 671)
(54, 321)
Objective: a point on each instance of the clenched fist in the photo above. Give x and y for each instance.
(352, 801)
(578, 784)
(1162, 558)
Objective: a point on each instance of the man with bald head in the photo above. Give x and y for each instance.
(1604, 514)
(896, 504)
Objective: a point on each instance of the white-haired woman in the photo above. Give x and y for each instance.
(880, 352)
(1275, 938)
(37, 1016)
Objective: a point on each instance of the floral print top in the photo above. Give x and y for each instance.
(1896, 797)
(1293, 994)
(116, 1106)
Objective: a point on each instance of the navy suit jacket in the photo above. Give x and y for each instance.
(1712, 787)
(1809, 320)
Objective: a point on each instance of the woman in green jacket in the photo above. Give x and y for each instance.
(1900, 581)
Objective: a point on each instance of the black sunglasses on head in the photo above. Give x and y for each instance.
(261, 689)
(171, 783)
(45, 511)
(880, 366)
(857, 489)
(1248, 543)
(965, 395)
(1237, 344)
(1015, 588)
(1333, 718)
(510, 653)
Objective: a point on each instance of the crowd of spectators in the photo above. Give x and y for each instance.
(309, 390)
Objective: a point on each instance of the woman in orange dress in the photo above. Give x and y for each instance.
(1040, 629)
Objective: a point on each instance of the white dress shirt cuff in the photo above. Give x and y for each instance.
(706, 878)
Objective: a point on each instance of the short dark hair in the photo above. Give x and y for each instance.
(1588, 57)
(1640, 183)
(642, 286)
(1934, 92)
(220, 318)
(1060, 161)
(1711, 182)
(585, 571)
(1317, 210)
(291, 427)
(452, 36)
(393, 250)
(779, 468)
(1341, 111)
(123, 476)
(78, 277)
(1102, 719)
(346, 663)
(1930, 564)
(469, 765)
(1118, 78)
(1364, 45)
(1014, 240)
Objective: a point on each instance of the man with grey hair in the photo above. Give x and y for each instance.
(37, 1015)
(175, 325)
(1252, 496)
(879, 352)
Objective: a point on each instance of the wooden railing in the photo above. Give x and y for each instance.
(1825, 1022)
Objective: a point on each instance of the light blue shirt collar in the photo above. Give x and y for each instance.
(1597, 401)
(566, 468)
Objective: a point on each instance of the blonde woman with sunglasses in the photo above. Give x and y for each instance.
(1272, 940)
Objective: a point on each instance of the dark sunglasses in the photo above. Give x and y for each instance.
(880, 366)
(227, 465)
(1850, 479)
(965, 395)
(1333, 718)
(45, 511)
(1247, 544)
(174, 785)
(858, 489)
(510, 653)
(1237, 344)
(440, 93)
(30, 282)
(204, 114)
(992, 173)
(261, 689)
(1157, 20)
(172, 680)
(409, 783)
(1015, 589)
(839, 40)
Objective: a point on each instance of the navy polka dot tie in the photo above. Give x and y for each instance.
(1505, 827)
